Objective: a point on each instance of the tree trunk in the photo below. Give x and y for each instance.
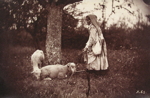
(53, 38)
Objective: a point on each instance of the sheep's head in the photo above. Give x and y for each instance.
(71, 67)
(37, 73)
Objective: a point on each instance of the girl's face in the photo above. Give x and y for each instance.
(88, 20)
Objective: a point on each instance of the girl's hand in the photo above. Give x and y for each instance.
(101, 36)
(85, 49)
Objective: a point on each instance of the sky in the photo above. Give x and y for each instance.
(137, 6)
(138, 3)
(144, 7)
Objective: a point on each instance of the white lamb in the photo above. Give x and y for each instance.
(37, 59)
(55, 71)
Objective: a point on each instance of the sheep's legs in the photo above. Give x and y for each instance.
(47, 79)
(61, 75)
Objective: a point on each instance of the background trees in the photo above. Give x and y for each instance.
(128, 54)
(37, 17)
(43, 20)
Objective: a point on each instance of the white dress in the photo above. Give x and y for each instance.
(95, 62)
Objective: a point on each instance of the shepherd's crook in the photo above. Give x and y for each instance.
(89, 86)
(88, 75)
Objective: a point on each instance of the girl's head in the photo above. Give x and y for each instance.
(88, 20)
(91, 19)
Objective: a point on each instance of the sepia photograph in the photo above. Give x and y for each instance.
(74, 48)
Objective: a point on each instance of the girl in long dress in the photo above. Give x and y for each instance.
(95, 62)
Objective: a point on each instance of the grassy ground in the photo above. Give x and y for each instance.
(127, 77)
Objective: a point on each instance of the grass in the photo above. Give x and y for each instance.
(127, 77)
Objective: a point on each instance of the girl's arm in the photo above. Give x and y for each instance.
(91, 38)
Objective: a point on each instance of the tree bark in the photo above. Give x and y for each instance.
(53, 38)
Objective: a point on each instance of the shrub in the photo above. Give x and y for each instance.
(116, 37)
(120, 38)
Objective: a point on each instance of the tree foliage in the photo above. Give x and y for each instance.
(23, 12)
(27, 14)
(106, 10)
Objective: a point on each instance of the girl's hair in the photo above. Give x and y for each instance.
(93, 19)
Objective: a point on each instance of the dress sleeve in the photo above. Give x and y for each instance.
(91, 38)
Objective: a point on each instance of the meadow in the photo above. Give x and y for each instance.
(127, 76)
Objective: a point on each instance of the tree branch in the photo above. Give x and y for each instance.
(128, 10)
